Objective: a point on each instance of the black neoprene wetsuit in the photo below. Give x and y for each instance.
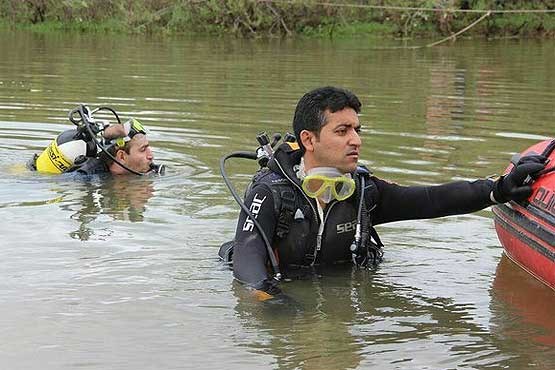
(385, 202)
(91, 166)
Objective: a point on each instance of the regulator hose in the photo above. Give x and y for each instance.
(253, 156)
(85, 121)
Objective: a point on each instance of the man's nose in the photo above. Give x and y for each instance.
(355, 139)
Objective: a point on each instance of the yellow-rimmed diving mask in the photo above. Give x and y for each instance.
(327, 183)
(132, 128)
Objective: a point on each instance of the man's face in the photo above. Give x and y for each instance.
(140, 154)
(338, 144)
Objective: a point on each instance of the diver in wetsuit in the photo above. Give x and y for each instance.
(316, 206)
(125, 149)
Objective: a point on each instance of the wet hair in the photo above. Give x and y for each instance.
(310, 112)
(113, 150)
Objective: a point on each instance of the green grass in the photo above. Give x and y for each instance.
(107, 26)
(349, 30)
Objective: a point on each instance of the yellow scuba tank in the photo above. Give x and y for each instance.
(60, 155)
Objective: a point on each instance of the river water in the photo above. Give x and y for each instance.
(123, 274)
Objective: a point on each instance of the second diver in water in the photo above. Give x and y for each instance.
(94, 148)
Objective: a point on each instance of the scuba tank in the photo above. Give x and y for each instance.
(262, 155)
(72, 145)
(61, 154)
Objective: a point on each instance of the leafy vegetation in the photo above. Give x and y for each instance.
(279, 17)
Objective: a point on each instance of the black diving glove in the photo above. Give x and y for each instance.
(272, 298)
(516, 184)
(265, 290)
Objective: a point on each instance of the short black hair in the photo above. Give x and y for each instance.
(311, 108)
(113, 149)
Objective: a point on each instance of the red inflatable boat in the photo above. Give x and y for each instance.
(527, 229)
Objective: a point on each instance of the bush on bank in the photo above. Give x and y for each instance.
(278, 17)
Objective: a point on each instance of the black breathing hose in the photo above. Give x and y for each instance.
(108, 109)
(85, 121)
(249, 155)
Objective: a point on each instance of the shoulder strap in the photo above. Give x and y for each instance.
(286, 211)
(285, 199)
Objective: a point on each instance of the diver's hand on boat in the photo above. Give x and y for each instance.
(516, 184)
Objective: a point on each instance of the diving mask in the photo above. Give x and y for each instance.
(132, 127)
(327, 183)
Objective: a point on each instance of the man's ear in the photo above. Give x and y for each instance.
(307, 139)
(121, 155)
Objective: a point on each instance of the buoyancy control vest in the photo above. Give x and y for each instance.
(90, 166)
(296, 240)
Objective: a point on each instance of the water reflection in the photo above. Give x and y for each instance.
(430, 116)
(122, 198)
(523, 304)
(329, 322)
(310, 329)
(523, 317)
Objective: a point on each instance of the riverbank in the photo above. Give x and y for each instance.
(278, 18)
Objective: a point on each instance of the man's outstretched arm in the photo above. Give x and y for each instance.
(397, 203)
